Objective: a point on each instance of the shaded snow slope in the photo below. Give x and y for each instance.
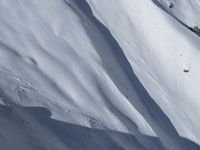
(125, 78)
(63, 136)
(27, 123)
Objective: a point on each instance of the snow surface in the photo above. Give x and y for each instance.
(187, 11)
(126, 77)
(167, 48)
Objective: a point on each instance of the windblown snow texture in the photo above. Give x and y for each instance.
(99, 75)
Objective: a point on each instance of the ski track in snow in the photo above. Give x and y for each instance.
(79, 74)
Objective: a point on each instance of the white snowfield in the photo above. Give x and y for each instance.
(99, 75)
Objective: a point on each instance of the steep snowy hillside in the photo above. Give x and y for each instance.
(187, 11)
(167, 61)
(98, 74)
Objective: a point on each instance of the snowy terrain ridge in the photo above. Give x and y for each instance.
(99, 75)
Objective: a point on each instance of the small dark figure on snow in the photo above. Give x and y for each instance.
(171, 5)
(196, 29)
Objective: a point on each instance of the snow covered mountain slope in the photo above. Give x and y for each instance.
(167, 52)
(52, 50)
(123, 78)
(186, 11)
